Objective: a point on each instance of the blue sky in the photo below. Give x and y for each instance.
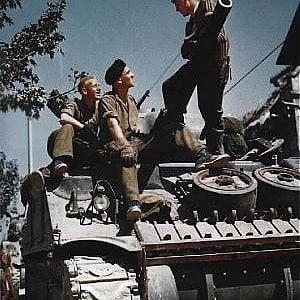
(147, 35)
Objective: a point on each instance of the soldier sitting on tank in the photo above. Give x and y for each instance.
(118, 116)
(67, 145)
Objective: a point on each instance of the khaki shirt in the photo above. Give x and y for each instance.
(79, 111)
(200, 22)
(111, 106)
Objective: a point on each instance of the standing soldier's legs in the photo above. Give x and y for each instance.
(210, 98)
(177, 91)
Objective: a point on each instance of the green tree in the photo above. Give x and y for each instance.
(9, 182)
(19, 81)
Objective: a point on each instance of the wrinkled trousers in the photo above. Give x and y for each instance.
(210, 80)
(154, 150)
(60, 142)
(75, 145)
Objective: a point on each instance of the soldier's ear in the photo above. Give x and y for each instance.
(84, 91)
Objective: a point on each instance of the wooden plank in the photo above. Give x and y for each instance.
(227, 256)
(264, 241)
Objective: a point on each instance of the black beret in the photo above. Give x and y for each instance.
(114, 71)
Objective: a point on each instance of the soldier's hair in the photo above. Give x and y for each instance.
(83, 80)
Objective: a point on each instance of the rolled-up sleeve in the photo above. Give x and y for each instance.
(108, 108)
(69, 109)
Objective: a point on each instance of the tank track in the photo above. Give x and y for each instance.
(227, 260)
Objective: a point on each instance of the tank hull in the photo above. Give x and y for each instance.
(82, 256)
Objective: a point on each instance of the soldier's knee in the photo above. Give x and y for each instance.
(68, 127)
(67, 130)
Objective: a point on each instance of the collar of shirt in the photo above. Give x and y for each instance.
(126, 106)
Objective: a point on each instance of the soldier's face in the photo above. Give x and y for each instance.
(92, 89)
(183, 7)
(127, 77)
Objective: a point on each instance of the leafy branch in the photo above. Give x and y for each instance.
(19, 88)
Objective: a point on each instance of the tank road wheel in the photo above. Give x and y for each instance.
(278, 188)
(161, 284)
(223, 190)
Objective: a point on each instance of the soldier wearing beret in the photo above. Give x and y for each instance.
(118, 117)
(207, 69)
(78, 119)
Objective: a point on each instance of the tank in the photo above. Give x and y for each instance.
(77, 245)
(203, 235)
(211, 234)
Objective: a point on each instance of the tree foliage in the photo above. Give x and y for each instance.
(9, 182)
(4, 6)
(19, 82)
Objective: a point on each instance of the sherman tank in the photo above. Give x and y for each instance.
(229, 233)
(76, 246)
(203, 235)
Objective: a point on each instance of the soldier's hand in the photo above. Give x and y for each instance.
(189, 49)
(128, 156)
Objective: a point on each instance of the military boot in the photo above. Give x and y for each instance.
(134, 212)
(214, 140)
(206, 160)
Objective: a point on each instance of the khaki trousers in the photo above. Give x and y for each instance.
(154, 150)
(60, 142)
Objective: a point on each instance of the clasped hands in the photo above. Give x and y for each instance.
(124, 150)
(128, 155)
